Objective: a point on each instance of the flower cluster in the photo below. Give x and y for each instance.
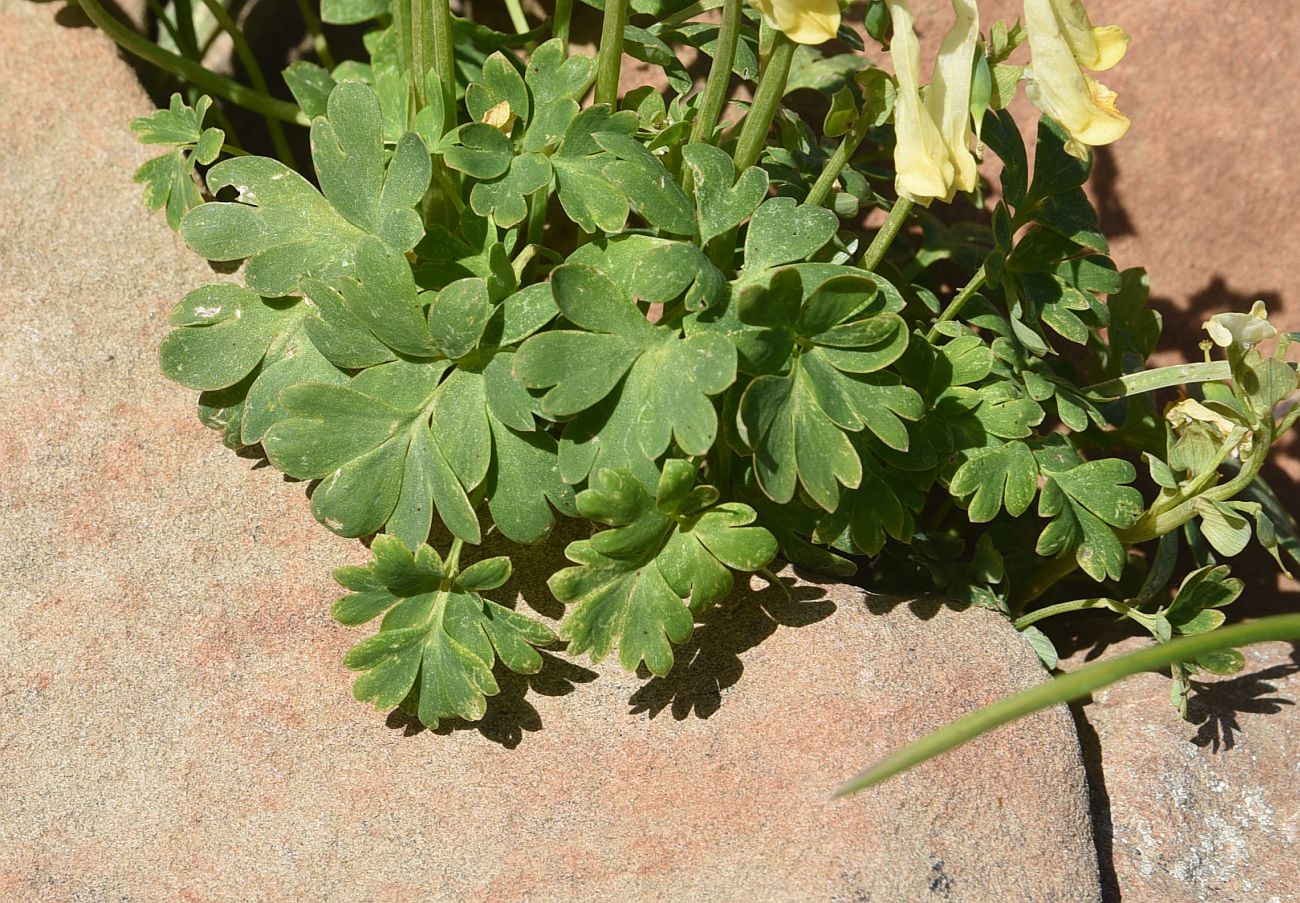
(934, 157)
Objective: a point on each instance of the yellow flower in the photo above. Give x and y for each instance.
(1242, 330)
(1190, 414)
(802, 21)
(1062, 43)
(932, 155)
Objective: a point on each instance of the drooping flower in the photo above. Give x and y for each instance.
(932, 156)
(1063, 43)
(1190, 414)
(802, 21)
(1243, 330)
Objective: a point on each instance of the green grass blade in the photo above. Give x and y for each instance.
(1069, 687)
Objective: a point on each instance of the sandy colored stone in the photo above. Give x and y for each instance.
(175, 722)
(1206, 809)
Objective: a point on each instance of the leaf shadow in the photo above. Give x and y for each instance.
(924, 607)
(1215, 705)
(509, 714)
(709, 663)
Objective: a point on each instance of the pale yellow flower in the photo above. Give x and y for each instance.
(932, 156)
(1243, 330)
(1062, 43)
(1190, 414)
(802, 21)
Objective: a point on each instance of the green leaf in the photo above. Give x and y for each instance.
(581, 368)
(287, 229)
(524, 484)
(437, 643)
(505, 199)
(638, 586)
(1004, 475)
(381, 295)
(370, 444)
(224, 334)
(1224, 662)
(795, 441)
(479, 150)
(657, 270)
(349, 12)
(645, 182)
(1223, 528)
(1086, 503)
(1042, 645)
(499, 82)
(310, 85)
(459, 315)
(722, 201)
(782, 231)
(589, 199)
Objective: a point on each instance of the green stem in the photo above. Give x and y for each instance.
(1162, 520)
(1159, 378)
(715, 89)
(1064, 608)
(537, 205)
(560, 22)
(1072, 686)
(821, 189)
(767, 100)
(319, 42)
(255, 75)
(188, 44)
(189, 70)
(444, 58)
(609, 62)
(517, 18)
(885, 237)
(956, 304)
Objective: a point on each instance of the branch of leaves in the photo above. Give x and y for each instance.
(1196, 608)
(168, 179)
(1087, 502)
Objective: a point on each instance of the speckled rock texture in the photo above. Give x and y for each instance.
(175, 722)
(1207, 810)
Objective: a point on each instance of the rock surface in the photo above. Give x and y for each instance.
(175, 721)
(1206, 811)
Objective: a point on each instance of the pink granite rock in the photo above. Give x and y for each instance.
(175, 722)
(1207, 810)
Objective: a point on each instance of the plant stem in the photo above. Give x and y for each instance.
(715, 89)
(560, 22)
(444, 58)
(835, 165)
(609, 62)
(1072, 686)
(1161, 521)
(319, 42)
(956, 304)
(255, 75)
(1063, 608)
(767, 99)
(885, 237)
(189, 70)
(517, 18)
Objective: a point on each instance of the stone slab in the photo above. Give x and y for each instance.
(1204, 810)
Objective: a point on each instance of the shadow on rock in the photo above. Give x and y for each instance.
(709, 663)
(1215, 706)
(924, 607)
(509, 714)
